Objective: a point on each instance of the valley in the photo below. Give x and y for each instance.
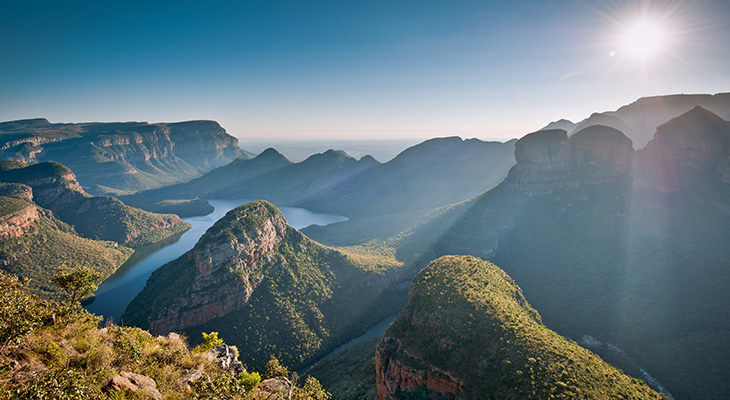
(490, 254)
(115, 293)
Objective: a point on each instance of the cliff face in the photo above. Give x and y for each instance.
(229, 265)
(122, 156)
(268, 289)
(640, 119)
(548, 160)
(393, 376)
(18, 222)
(54, 187)
(468, 333)
(583, 242)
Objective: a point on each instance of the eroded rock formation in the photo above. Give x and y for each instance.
(548, 160)
(241, 251)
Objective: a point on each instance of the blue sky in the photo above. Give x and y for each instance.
(350, 69)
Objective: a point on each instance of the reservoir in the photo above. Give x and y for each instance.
(113, 296)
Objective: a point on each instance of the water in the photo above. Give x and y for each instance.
(377, 330)
(113, 296)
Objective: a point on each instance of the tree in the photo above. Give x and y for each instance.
(312, 390)
(274, 369)
(19, 312)
(77, 282)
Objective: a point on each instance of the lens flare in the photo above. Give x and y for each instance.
(644, 39)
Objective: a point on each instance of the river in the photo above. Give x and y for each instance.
(115, 293)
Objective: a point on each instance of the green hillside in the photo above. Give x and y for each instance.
(638, 262)
(54, 186)
(268, 289)
(467, 323)
(52, 350)
(47, 246)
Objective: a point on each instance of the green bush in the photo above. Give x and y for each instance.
(18, 311)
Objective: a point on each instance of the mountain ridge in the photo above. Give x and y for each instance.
(119, 157)
(267, 287)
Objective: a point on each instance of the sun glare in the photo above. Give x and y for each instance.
(644, 39)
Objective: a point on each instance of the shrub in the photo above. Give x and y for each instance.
(18, 311)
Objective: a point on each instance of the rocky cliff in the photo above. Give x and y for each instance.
(218, 257)
(468, 333)
(122, 157)
(548, 160)
(17, 217)
(589, 234)
(268, 289)
(640, 119)
(54, 187)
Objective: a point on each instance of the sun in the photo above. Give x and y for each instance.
(644, 39)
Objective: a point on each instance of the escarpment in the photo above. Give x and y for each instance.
(268, 289)
(229, 263)
(122, 157)
(687, 150)
(54, 187)
(468, 333)
(548, 160)
(17, 217)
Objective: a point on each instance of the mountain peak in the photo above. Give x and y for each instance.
(270, 154)
(563, 124)
(696, 121)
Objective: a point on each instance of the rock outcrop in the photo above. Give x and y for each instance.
(687, 149)
(226, 357)
(468, 333)
(548, 160)
(122, 156)
(134, 383)
(265, 287)
(18, 222)
(252, 232)
(393, 376)
(55, 187)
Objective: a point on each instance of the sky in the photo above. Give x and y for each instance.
(347, 69)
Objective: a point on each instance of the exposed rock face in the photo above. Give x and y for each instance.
(134, 382)
(467, 332)
(549, 160)
(694, 144)
(16, 191)
(107, 154)
(640, 119)
(54, 187)
(240, 250)
(277, 388)
(18, 223)
(226, 357)
(263, 285)
(393, 376)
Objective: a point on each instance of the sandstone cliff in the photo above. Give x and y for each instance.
(588, 233)
(54, 187)
(17, 217)
(229, 265)
(122, 157)
(548, 160)
(687, 149)
(468, 333)
(640, 119)
(268, 289)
